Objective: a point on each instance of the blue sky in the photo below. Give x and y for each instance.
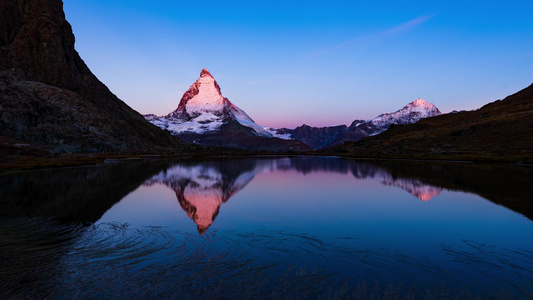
(316, 62)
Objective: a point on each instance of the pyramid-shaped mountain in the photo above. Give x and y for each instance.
(203, 108)
(205, 117)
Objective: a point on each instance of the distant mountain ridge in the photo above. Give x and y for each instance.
(323, 137)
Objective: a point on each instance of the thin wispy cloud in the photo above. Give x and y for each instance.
(393, 31)
(406, 26)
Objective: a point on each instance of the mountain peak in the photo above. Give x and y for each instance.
(420, 101)
(422, 106)
(204, 96)
(205, 73)
(203, 109)
(410, 113)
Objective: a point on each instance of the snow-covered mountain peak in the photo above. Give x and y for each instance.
(422, 104)
(203, 109)
(425, 108)
(203, 96)
(420, 101)
(410, 113)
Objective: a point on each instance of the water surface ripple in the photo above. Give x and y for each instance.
(113, 260)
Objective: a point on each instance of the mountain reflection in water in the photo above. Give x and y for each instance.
(202, 188)
(85, 194)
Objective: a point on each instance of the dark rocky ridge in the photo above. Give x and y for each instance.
(49, 98)
(318, 137)
(356, 131)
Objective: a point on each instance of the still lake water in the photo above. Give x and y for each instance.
(293, 227)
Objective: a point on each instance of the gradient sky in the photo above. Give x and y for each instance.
(316, 62)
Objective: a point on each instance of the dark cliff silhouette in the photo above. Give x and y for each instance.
(51, 100)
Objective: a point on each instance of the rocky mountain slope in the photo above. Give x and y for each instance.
(499, 131)
(323, 137)
(205, 117)
(50, 100)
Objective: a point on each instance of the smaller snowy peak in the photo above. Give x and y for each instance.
(422, 105)
(409, 114)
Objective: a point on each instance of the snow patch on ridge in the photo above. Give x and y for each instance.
(274, 133)
(203, 123)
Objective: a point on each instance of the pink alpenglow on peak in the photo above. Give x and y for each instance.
(205, 73)
(423, 103)
(203, 109)
(409, 114)
(204, 96)
(420, 101)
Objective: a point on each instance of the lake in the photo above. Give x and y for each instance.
(268, 227)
